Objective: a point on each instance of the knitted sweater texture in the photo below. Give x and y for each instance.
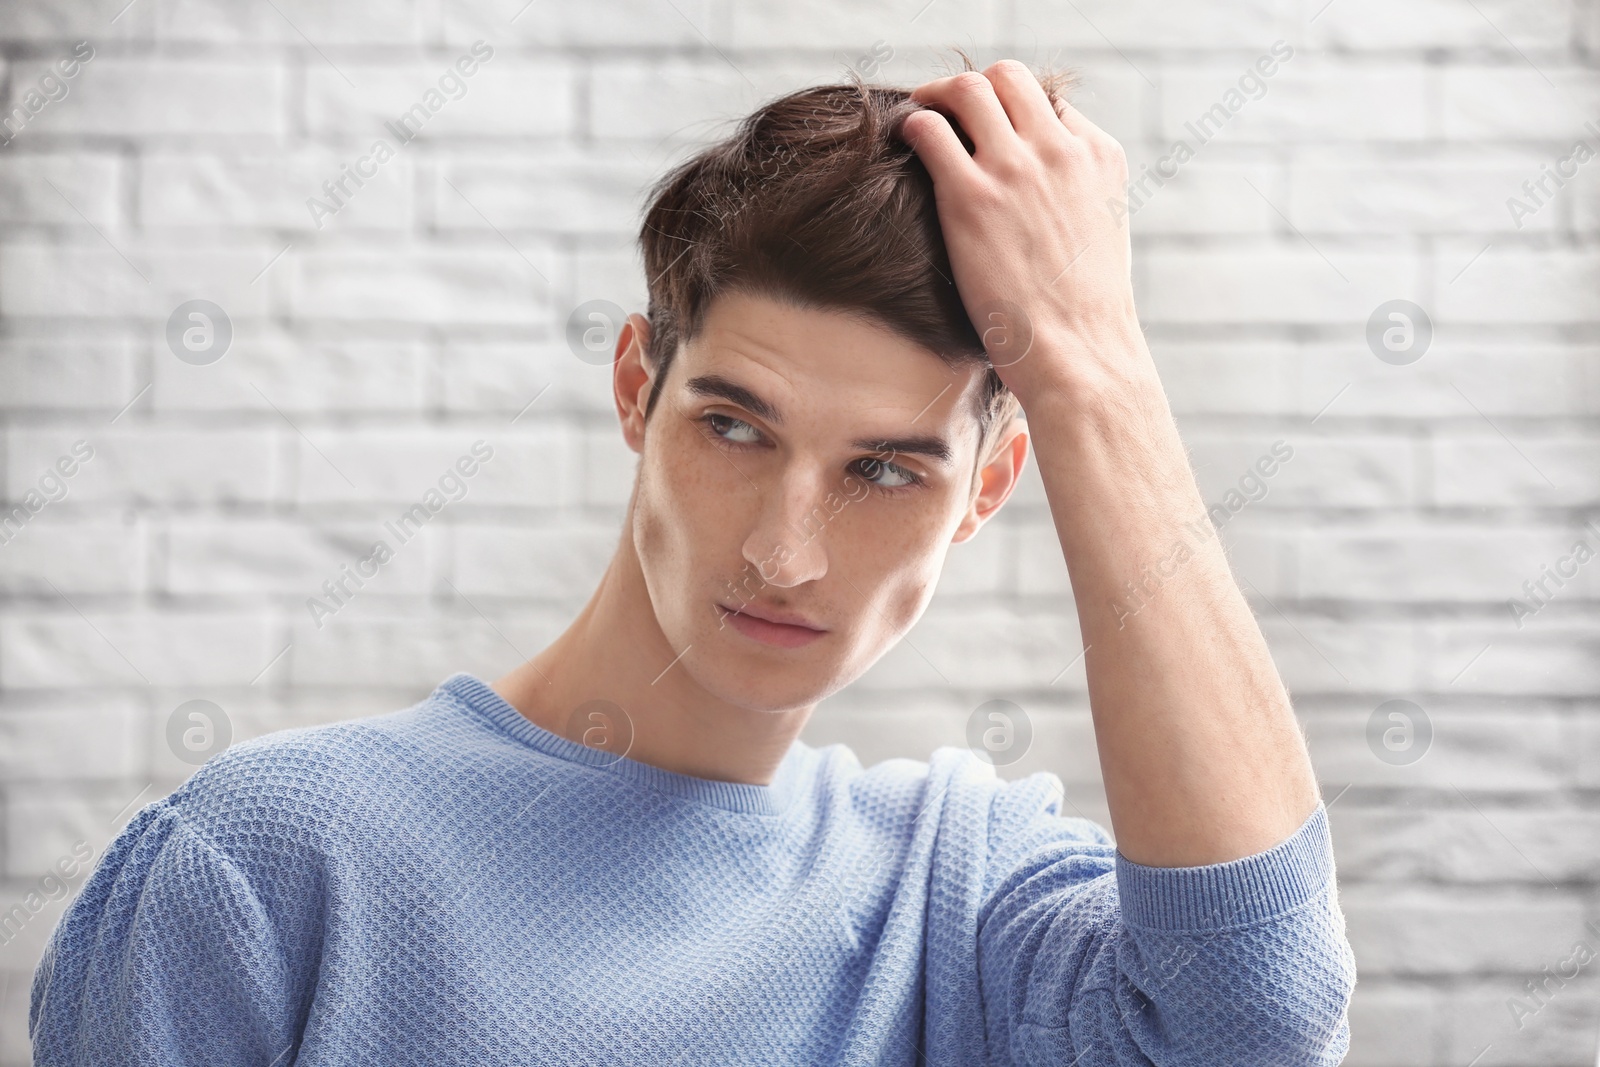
(452, 884)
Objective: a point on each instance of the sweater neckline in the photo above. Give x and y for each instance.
(773, 799)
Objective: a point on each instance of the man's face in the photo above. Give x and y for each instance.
(766, 487)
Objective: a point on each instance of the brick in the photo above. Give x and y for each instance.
(1260, 551)
(248, 711)
(1391, 1025)
(264, 191)
(1478, 467)
(1467, 750)
(978, 567)
(294, 23)
(504, 378)
(1397, 564)
(1587, 728)
(16, 990)
(124, 97)
(1516, 103)
(608, 468)
(1583, 194)
(288, 559)
(1549, 286)
(603, 24)
(1459, 845)
(44, 827)
(1325, 469)
(1310, 99)
(74, 552)
(1371, 25)
(1288, 283)
(1041, 570)
(60, 649)
(1454, 376)
(1208, 378)
(83, 182)
(557, 193)
(358, 648)
(70, 739)
(1477, 1020)
(837, 24)
(266, 368)
(650, 99)
(1206, 196)
(1233, 24)
(92, 279)
(70, 21)
(1549, 656)
(502, 98)
(152, 465)
(1446, 195)
(43, 373)
(609, 269)
(647, 100)
(489, 285)
(527, 468)
(561, 564)
(1405, 930)
(1320, 655)
(1023, 649)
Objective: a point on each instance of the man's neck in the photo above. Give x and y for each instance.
(615, 651)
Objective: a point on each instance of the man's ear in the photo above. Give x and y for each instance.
(1007, 454)
(632, 377)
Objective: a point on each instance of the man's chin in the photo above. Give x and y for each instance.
(755, 682)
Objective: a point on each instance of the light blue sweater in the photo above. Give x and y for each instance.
(454, 885)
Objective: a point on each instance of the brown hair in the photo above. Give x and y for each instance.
(815, 200)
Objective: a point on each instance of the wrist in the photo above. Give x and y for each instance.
(1107, 365)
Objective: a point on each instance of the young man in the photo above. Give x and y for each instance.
(620, 853)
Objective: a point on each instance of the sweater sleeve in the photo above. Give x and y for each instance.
(1089, 959)
(167, 957)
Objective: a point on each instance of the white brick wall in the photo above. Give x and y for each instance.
(371, 350)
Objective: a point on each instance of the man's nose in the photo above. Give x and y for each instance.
(786, 544)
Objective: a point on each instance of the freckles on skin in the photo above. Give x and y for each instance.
(866, 569)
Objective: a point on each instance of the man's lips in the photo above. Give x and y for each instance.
(771, 627)
(772, 615)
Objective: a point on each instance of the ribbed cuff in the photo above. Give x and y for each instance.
(1236, 893)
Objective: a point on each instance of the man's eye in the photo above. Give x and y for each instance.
(886, 475)
(742, 433)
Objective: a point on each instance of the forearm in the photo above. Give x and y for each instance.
(1202, 758)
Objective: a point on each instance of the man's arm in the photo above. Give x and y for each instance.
(1202, 758)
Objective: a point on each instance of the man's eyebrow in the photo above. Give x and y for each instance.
(935, 448)
(715, 385)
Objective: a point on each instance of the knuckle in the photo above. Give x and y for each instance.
(970, 83)
(1053, 152)
(1111, 155)
(1107, 147)
(1014, 67)
(983, 198)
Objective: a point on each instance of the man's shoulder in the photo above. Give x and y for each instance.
(308, 781)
